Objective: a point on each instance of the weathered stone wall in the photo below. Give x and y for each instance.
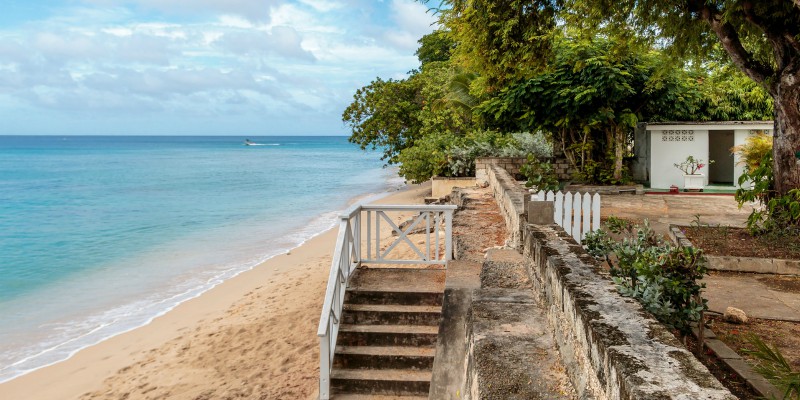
(512, 165)
(510, 196)
(619, 350)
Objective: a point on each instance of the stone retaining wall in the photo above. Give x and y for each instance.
(510, 196)
(620, 351)
(512, 165)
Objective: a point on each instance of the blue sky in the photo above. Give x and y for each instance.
(203, 67)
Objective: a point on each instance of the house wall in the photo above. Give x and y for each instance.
(672, 146)
(739, 138)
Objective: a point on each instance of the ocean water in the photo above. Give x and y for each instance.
(99, 235)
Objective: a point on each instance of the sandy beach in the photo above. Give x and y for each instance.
(252, 337)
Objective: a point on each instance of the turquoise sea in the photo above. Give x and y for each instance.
(99, 235)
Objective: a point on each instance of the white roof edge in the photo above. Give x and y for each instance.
(713, 125)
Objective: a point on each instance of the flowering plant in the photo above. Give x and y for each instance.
(691, 165)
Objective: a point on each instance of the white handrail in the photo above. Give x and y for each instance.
(347, 257)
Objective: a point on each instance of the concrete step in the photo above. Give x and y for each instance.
(384, 357)
(381, 382)
(412, 298)
(399, 279)
(387, 335)
(391, 314)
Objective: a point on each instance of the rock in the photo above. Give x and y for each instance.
(735, 316)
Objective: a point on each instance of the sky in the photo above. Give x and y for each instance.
(197, 67)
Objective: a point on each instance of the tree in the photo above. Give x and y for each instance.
(590, 100)
(500, 41)
(761, 37)
(385, 114)
(393, 115)
(435, 46)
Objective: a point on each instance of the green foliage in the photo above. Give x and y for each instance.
(664, 278)
(452, 155)
(590, 100)
(500, 41)
(726, 94)
(760, 38)
(384, 114)
(435, 46)
(541, 175)
(754, 149)
(778, 214)
(773, 366)
(392, 115)
(427, 158)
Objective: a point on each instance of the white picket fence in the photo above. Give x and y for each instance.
(577, 214)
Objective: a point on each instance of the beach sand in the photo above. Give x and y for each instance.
(252, 337)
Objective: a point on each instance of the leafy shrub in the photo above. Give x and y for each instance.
(447, 154)
(428, 157)
(662, 277)
(461, 158)
(778, 215)
(541, 175)
(754, 149)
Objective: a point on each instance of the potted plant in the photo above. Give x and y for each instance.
(692, 178)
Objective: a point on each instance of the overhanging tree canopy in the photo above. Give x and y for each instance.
(761, 37)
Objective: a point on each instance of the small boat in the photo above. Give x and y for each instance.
(247, 142)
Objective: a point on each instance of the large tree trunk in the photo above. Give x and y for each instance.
(786, 144)
(620, 136)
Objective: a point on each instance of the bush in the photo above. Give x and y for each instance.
(662, 277)
(754, 149)
(778, 215)
(541, 175)
(462, 157)
(428, 157)
(451, 155)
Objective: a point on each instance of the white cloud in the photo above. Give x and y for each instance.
(256, 10)
(280, 40)
(412, 17)
(323, 5)
(301, 59)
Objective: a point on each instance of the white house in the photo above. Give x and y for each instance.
(659, 146)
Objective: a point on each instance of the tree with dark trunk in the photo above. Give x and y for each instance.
(761, 37)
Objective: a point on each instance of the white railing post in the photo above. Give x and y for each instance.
(558, 208)
(324, 369)
(596, 212)
(587, 215)
(369, 234)
(576, 218)
(448, 234)
(567, 221)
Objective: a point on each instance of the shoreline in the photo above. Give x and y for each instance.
(276, 293)
(161, 302)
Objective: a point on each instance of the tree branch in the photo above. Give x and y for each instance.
(732, 44)
(781, 35)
